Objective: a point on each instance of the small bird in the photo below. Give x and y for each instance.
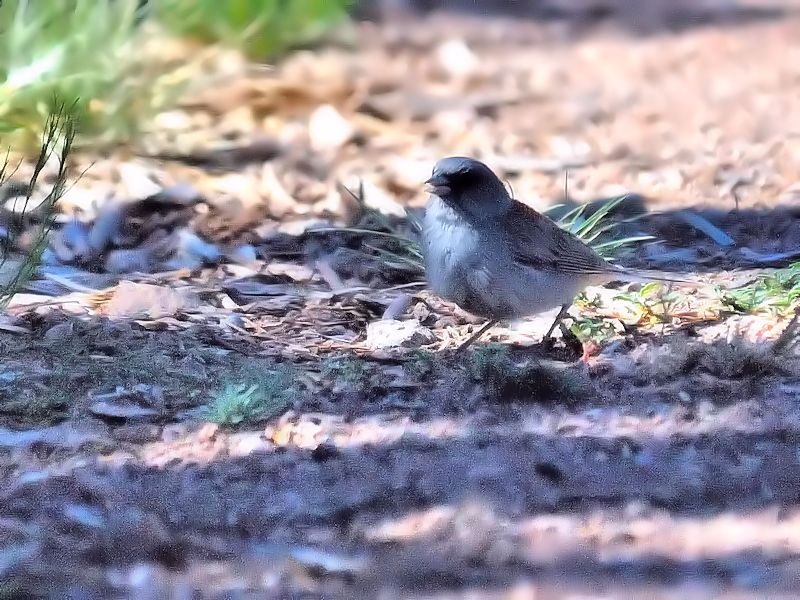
(498, 258)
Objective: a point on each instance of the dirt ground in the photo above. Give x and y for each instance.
(661, 461)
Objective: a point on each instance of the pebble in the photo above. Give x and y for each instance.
(457, 60)
(389, 333)
(244, 444)
(328, 129)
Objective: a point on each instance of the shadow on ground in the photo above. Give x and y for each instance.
(714, 510)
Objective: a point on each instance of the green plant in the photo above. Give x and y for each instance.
(345, 369)
(57, 139)
(69, 49)
(109, 55)
(775, 293)
(654, 300)
(583, 300)
(240, 402)
(590, 228)
(592, 329)
(489, 359)
(397, 250)
(260, 28)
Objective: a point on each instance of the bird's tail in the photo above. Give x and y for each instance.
(646, 276)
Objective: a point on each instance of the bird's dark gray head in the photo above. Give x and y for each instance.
(469, 185)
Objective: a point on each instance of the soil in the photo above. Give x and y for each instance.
(662, 462)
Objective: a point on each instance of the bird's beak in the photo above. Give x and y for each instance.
(437, 185)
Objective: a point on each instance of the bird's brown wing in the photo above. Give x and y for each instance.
(539, 243)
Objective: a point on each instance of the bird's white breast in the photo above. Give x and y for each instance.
(451, 247)
(479, 273)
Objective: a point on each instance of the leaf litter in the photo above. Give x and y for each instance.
(232, 271)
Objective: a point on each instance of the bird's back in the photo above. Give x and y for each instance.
(539, 243)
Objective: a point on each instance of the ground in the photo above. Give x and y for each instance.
(192, 406)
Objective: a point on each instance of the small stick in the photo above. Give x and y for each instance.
(489, 324)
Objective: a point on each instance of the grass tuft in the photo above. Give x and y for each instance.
(589, 229)
(77, 49)
(56, 144)
(259, 28)
(345, 369)
(489, 359)
(536, 381)
(421, 364)
(119, 61)
(249, 402)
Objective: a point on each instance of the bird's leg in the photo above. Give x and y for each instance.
(561, 314)
(489, 324)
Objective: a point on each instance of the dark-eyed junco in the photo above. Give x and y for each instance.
(498, 258)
